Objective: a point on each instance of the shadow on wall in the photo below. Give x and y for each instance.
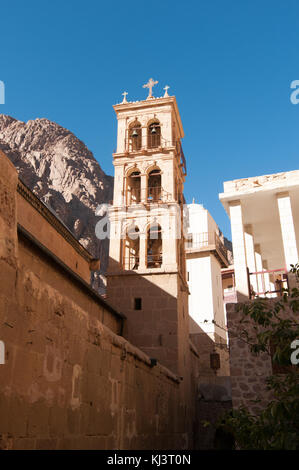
(157, 321)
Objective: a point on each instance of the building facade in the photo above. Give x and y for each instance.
(265, 228)
(147, 269)
(206, 255)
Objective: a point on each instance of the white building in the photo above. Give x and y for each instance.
(205, 256)
(264, 215)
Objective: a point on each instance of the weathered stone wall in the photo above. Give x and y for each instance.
(205, 346)
(248, 372)
(68, 380)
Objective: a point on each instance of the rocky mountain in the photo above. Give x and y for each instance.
(62, 172)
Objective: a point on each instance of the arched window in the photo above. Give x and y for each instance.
(154, 186)
(135, 136)
(131, 248)
(133, 187)
(154, 246)
(154, 135)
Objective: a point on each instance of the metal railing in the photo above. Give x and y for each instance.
(230, 296)
(154, 194)
(148, 142)
(196, 241)
(151, 194)
(269, 283)
(133, 262)
(154, 261)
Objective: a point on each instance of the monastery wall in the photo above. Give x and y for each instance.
(69, 380)
(248, 372)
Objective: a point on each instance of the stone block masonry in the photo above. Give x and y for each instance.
(69, 380)
(248, 371)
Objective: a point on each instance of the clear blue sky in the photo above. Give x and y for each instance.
(229, 63)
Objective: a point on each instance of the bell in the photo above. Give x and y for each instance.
(154, 130)
(134, 133)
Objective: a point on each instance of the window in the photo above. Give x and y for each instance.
(135, 136)
(137, 303)
(133, 188)
(154, 246)
(154, 186)
(131, 248)
(154, 135)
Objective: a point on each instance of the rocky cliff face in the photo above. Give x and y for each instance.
(62, 172)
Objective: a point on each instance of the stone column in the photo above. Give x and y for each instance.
(287, 229)
(142, 251)
(144, 136)
(259, 267)
(143, 187)
(249, 246)
(239, 250)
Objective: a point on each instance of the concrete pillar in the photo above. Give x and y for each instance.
(249, 247)
(142, 251)
(259, 267)
(239, 250)
(287, 229)
(266, 278)
(144, 137)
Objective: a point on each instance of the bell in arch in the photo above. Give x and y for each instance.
(134, 133)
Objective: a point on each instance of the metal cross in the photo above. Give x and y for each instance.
(166, 88)
(125, 97)
(150, 84)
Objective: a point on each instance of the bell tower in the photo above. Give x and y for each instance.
(146, 278)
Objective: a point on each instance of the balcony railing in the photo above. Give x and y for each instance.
(151, 195)
(154, 261)
(269, 283)
(230, 296)
(207, 241)
(137, 144)
(133, 262)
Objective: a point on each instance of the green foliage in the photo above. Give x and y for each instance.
(277, 426)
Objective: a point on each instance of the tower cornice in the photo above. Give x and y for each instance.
(151, 104)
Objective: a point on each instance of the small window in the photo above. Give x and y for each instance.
(137, 303)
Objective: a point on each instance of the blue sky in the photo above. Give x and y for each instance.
(229, 63)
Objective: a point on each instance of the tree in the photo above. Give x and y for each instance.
(277, 426)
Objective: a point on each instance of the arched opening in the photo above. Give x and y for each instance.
(154, 246)
(131, 248)
(154, 186)
(135, 136)
(154, 135)
(133, 187)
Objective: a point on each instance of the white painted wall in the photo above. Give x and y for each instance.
(204, 279)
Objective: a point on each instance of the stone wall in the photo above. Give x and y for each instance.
(69, 380)
(248, 372)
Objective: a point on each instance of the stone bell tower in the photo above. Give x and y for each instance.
(146, 278)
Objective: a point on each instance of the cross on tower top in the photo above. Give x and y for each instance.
(125, 96)
(150, 84)
(166, 88)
